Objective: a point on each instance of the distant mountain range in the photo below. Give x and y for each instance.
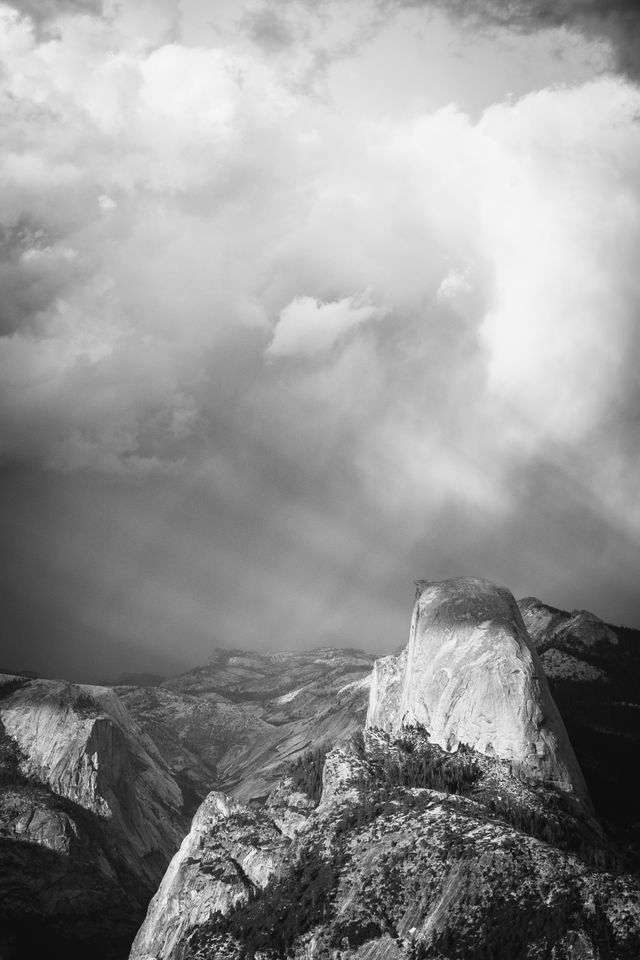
(431, 806)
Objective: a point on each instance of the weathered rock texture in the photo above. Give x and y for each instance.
(419, 844)
(97, 786)
(81, 742)
(89, 816)
(576, 635)
(594, 674)
(386, 691)
(387, 867)
(236, 722)
(229, 853)
(471, 675)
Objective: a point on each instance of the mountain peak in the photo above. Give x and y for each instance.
(470, 674)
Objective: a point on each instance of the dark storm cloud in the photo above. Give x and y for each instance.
(268, 357)
(32, 273)
(43, 12)
(615, 20)
(46, 9)
(268, 29)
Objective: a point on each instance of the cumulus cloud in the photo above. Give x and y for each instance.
(307, 326)
(213, 202)
(616, 20)
(191, 208)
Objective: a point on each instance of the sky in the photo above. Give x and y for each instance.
(303, 301)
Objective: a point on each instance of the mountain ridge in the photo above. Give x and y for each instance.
(261, 730)
(412, 847)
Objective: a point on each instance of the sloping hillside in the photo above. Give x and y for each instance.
(594, 675)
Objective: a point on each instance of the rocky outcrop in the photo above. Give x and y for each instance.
(577, 632)
(471, 675)
(412, 846)
(423, 842)
(389, 868)
(230, 853)
(289, 807)
(386, 690)
(97, 786)
(81, 743)
(594, 673)
(89, 814)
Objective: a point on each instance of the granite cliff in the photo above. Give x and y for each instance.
(454, 825)
(594, 675)
(457, 826)
(409, 853)
(230, 852)
(471, 675)
(88, 802)
(98, 785)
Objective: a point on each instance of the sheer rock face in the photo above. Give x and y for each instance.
(230, 852)
(470, 675)
(386, 690)
(80, 742)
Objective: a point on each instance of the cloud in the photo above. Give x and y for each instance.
(560, 328)
(616, 20)
(213, 204)
(192, 209)
(43, 10)
(307, 326)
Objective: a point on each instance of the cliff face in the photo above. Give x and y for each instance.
(230, 853)
(89, 813)
(385, 697)
(97, 786)
(471, 675)
(83, 745)
(398, 843)
(389, 867)
(594, 675)
(419, 840)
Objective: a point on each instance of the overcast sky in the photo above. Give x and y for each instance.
(303, 301)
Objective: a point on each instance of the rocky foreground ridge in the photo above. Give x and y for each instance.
(408, 852)
(98, 786)
(401, 841)
(457, 825)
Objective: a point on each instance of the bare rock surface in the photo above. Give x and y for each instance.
(385, 698)
(394, 844)
(98, 785)
(82, 743)
(238, 721)
(89, 813)
(388, 866)
(578, 632)
(594, 674)
(471, 675)
(230, 853)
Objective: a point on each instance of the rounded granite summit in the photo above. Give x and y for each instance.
(470, 674)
